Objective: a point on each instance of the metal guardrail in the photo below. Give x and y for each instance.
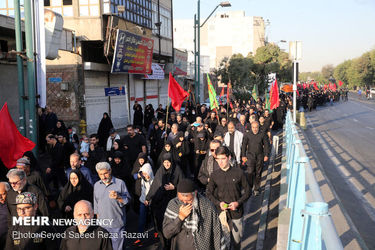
(310, 225)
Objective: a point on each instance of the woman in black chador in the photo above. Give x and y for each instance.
(103, 130)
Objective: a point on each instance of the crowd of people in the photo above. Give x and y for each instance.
(186, 174)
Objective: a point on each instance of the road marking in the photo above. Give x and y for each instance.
(359, 103)
(370, 128)
(355, 120)
(345, 174)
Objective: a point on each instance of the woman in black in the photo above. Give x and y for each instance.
(201, 144)
(168, 148)
(78, 188)
(117, 147)
(149, 114)
(138, 116)
(181, 152)
(163, 189)
(103, 130)
(33, 161)
(60, 129)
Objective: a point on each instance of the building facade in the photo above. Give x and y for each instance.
(78, 80)
(223, 35)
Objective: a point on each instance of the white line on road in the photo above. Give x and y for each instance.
(370, 128)
(344, 174)
(355, 120)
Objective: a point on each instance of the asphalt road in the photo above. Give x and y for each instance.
(342, 138)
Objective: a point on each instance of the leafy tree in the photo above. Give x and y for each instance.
(341, 71)
(327, 71)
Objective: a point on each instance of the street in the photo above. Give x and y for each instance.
(342, 138)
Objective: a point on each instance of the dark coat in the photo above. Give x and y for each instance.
(103, 131)
(70, 195)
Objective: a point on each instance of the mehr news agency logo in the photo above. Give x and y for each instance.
(45, 221)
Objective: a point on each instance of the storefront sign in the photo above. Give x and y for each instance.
(133, 54)
(114, 91)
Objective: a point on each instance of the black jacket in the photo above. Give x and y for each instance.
(226, 186)
(255, 144)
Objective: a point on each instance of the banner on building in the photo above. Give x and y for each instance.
(133, 54)
(157, 72)
(180, 63)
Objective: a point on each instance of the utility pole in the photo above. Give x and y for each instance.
(30, 71)
(19, 48)
(199, 50)
(195, 58)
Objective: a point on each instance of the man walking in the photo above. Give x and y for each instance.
(228, 189)
(254, 152)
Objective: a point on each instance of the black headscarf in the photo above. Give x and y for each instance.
(70, 195)
(164, 151)
(103, 130)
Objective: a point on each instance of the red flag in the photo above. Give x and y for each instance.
(304, 85)
(12, 143)
(221, 95)
(176, 93)
(340, 83)
(275, 101)
(315, 86)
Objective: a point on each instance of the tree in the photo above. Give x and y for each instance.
(341, 71)
(327, 71)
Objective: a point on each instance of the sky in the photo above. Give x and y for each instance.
(331, 31)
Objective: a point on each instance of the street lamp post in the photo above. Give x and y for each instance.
(197, 44)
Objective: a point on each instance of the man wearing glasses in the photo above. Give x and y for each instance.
(18, 181)
(29, 236)
(209, 164)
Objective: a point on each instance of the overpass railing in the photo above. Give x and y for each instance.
(310, 224)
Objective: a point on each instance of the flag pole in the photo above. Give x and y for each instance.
(166, 116)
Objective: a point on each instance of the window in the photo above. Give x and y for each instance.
(7, 8)
(165, 20)
(64, 7)
(91, 7)
(136, 11)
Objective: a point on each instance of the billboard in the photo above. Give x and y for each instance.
(157, 72)
(133, 54)
(180, 62)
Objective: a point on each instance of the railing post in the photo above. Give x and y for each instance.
(312, 231)
(297, 199)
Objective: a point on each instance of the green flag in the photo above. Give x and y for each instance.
(255, 93)
(268, 103)
(212, 95)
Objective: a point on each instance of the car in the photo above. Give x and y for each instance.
(372, 92)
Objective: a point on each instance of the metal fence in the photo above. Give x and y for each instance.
(310, 225)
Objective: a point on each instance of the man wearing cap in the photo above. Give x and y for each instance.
(190, 220)
(33, 176)
(4, 188)
(18, 181)
(112, 137)
(33, 235)
(91, 237)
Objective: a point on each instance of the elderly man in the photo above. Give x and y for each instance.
(110, 198)
(228, 189)
(27, 207)
(233, 140)
(18, 181)
(242, 126)
(254, 152)
(4, 188)
(111, 139)
(100, 240)
(191, 221)
(33, 177)
(75, 163)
